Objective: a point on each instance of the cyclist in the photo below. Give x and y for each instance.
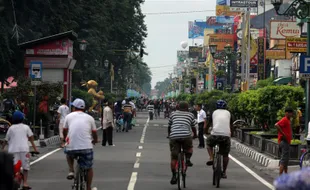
(180, 127)
(17, 138)
(221, 132)
(80, 134)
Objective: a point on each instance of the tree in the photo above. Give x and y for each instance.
(162, 86)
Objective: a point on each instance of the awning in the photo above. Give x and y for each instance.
(283, 80)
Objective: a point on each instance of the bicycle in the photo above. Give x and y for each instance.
(80, 177)
(217, 166)
(181, 169)
(305, 158)
(18, 171)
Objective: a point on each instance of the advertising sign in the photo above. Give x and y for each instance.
(36, 70)
(275, 54)
(243, 9)
(207, 33)
(221, 40)
(195, 52)
(284, 29)
(261, 58)
(223, 10)
(223, 2)
(57, 47)
(243, 3)
(254, 33)
(196, 28)
(296, 45)
(225, 19)
(182, 55)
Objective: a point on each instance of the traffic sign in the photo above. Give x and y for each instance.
(36, 70)
(304, 67)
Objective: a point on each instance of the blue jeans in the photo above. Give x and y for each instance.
(127, 120)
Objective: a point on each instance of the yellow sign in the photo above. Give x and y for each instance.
(221, 40)
(207, 33)
(296, 45)
(275, 54)
(224, 10)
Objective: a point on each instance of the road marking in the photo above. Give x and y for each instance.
(144, 131)
(44, 156)
(137, 164)
(140, 147)
(266, 183)
(138, 155)
(133, 180)
(155, 125)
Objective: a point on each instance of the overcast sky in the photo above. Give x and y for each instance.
(167, 31)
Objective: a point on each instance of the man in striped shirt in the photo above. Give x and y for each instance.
(180, 127)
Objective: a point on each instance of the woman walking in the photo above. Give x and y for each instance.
(108, 125)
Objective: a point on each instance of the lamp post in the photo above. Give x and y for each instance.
(83, 46)
(227, 55)
(213, 49)
(301, 10)
(106, 65)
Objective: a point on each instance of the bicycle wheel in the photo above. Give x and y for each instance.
(218, 170)
(179, 172)
(184, 168)
(83, 181)
(305, 160)
(214, 167)
(77, 182)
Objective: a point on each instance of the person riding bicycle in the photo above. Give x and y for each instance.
(221, 132)
(180, 127)
(80, 132)
(17, 139)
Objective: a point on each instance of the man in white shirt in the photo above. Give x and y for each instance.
(80, 132)
(17, 138)
(62, 111)
(108, 124)
(202, 124)
(220, 134)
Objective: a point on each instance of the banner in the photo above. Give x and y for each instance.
(207, 33)
(284, 29)
(223, 10)
(195, 52)
(223, 2)
(296, 45)
(196, 29)
(221, 40)
(182, 55)
(275, 54)
(243, 3)
(225, 19)
(261, 58)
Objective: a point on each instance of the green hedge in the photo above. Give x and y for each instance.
(263, 106)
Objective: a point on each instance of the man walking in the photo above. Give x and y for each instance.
(62, 111)
(284, 139)
(108, 124)
(202, 124)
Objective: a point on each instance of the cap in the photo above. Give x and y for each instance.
(78, 103)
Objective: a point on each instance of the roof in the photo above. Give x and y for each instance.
(69, 34)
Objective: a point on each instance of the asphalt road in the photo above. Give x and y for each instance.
(140, 161)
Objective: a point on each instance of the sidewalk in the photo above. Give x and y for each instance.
(273, 172)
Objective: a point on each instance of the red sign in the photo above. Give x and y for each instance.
(58, 47)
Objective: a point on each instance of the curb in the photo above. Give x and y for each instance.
(50, 141)
(260, 158)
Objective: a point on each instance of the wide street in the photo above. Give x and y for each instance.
(140, 161)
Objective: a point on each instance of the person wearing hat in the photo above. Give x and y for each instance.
(80, 132)
(284, 139)
(17, 139)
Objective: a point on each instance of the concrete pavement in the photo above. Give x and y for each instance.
(140, 161)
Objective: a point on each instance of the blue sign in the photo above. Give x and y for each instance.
(220, 82)
(196, 28)
(222, 2)
(36, 70)
(304, 67)
(225, 19)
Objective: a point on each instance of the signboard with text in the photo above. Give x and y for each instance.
(275, 54)
(221, 40)
(296, 45)
(261, 58)
(284, 29)
(304, 68)
(243, 3)
(195, 52)
(223, 10)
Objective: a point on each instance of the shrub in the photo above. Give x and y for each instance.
(82, 94)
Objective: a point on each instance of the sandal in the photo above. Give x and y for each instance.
(70, 176)
(26, 187)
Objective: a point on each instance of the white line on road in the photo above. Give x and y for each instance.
(138, 155)
(133, 180)
(45, 155)
(140, 147)
(137, 164)
(156, 125)
(144, 131)
(266, 183)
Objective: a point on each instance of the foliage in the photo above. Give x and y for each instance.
(220, 73)
(264, 83)
(110, 97)
(82, 94)
(162, 86)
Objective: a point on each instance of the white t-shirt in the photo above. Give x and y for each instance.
(221, 123)
(17, 138)
(80, 126)
(201, 116)
(63, 110)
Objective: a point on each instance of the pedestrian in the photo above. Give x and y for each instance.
(62, 111)
(127, 111)
(151, 108)
(108, 125)
(284, 139)
(17, 138)
(202, 124)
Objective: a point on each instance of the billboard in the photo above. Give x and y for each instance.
(243, 3)
(196, 28)
(296, 45)
(284, 29)
(207, 33)
(195, 52)
(221, 40)
(275, 54)
(224, 10)
(182, 55)
(223, 2)
(261, 58)
(225, 19)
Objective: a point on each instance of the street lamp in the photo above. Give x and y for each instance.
(106, 63)
(83, 45)
(228, 49)
(300, 9)
(213, 49)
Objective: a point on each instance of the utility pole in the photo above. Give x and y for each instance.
(248, 62)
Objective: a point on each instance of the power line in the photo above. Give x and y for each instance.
(162, 66)
(178, 12)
